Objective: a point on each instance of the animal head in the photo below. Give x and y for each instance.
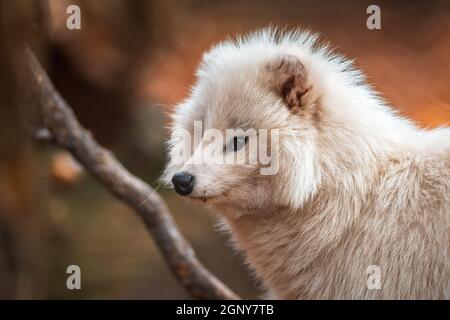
(249, 134)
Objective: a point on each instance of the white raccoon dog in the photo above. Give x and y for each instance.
(359, 207)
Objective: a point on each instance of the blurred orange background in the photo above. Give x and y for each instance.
(122, 73)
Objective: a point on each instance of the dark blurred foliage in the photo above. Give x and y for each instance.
(122, 73)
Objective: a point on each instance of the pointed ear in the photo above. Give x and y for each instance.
(288, 78)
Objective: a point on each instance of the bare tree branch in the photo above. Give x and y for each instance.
(66, 131)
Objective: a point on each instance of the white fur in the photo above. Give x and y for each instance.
(358, 185)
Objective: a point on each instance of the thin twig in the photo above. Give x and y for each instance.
(67, 132)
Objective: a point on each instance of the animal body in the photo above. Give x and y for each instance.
(358, 191)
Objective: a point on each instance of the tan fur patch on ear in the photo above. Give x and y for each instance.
(288, 76)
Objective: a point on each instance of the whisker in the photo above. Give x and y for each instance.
(144, 201)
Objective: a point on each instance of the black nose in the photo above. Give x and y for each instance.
(183, 183)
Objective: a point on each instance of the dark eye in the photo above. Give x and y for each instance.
(239, 142)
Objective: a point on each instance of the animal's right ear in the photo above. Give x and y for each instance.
(287, 76)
